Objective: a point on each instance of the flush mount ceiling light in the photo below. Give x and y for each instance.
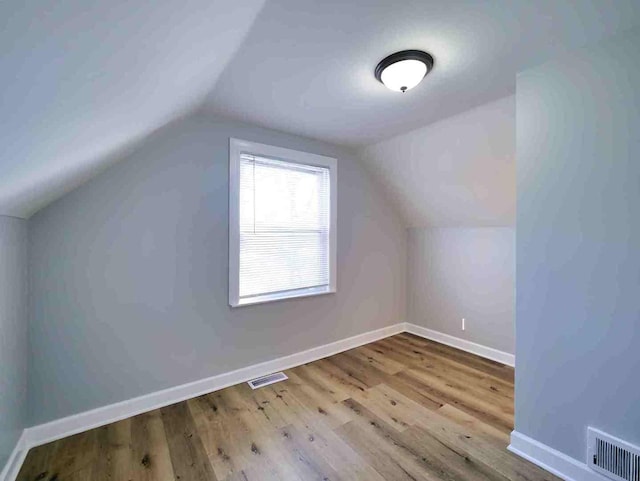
(404, 70)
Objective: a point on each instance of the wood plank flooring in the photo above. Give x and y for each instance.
(402, 408)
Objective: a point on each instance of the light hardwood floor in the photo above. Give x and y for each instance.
(402, 408)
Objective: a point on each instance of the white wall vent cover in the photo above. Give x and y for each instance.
(612, 457)
(268, 379)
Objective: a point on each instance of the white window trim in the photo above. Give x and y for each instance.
(237, 147)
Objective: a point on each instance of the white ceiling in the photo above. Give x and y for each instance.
(307, 66)
(84, 81)
(460, 171)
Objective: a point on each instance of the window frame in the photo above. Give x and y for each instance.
(237, 147)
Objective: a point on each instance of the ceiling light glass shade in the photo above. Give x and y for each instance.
(403, 75)
(404, 70)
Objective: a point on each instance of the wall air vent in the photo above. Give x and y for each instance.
(612, 457)
(268, 379)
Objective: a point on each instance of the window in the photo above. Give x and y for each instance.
(282, 223)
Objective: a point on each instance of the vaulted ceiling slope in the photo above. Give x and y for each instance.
(84, 80)
(460, 171)
(307, 66)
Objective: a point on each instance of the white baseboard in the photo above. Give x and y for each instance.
(551, 460)
(14, 463)
(60, 428)
(462, 344)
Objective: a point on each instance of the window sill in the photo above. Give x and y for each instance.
(282, 296)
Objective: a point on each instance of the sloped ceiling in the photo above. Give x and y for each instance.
(460, 171)
(84, 80)
(307, 66)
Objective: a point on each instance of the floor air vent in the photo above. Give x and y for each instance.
(268, 379)
(612, 457)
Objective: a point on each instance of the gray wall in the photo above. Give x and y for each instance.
(130, 275)
(578, 247)
(13, 332)
(469, 273)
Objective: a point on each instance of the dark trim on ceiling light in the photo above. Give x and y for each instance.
(424, 57)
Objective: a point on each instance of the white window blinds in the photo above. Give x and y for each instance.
(284, 229)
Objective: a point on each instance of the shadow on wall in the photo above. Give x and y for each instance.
(13, 333)
(464, 273)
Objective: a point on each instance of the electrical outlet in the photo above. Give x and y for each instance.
(463, 326)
